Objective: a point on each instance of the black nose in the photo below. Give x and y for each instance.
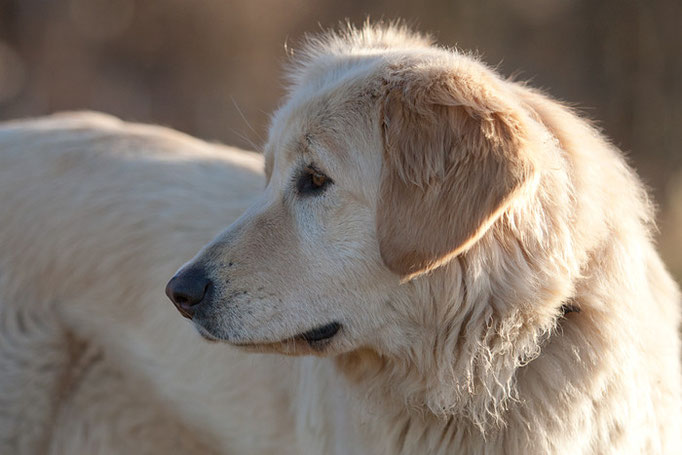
(187, 290)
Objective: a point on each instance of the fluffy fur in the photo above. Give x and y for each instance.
(487, 253)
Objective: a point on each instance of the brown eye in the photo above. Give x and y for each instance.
(312, 182)
(318, 179)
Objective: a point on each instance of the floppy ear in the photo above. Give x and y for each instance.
(454, 159)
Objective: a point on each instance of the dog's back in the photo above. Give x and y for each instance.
(95, 214)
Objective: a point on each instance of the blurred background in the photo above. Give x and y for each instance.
(211, 68)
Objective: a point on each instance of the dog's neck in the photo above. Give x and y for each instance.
(481, 319)
(487, 373)
(461, 379)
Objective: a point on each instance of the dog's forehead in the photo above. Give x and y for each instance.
(322, 120)
(333, 90)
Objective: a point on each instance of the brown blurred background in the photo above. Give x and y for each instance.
(212, 67)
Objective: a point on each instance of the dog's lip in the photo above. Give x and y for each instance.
(317, 336)
(320, 333)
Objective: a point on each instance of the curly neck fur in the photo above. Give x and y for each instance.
(476, 324)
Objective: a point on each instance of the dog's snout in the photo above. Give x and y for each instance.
(188, 289)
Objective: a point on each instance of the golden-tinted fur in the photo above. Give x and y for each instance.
(449, 152)
(496, 210)
(485, 251)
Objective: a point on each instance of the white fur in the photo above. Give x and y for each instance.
(96, 215)
(471, 357)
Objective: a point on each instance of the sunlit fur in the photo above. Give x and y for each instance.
(463, 348)
(491, 366)
(495, 207)
(95, 215)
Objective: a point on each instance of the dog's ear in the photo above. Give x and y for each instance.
(454, 158)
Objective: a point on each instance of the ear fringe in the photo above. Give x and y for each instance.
(452, 164)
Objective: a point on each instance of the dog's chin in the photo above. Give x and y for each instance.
(206, 335)
(290, 347)
(317, 341)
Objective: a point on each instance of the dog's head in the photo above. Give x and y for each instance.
(389, 158)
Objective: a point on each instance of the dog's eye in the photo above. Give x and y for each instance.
(311, 182)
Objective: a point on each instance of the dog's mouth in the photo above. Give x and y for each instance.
(311, 341)
(320, 334)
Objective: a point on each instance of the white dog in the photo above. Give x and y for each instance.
(468, 261)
